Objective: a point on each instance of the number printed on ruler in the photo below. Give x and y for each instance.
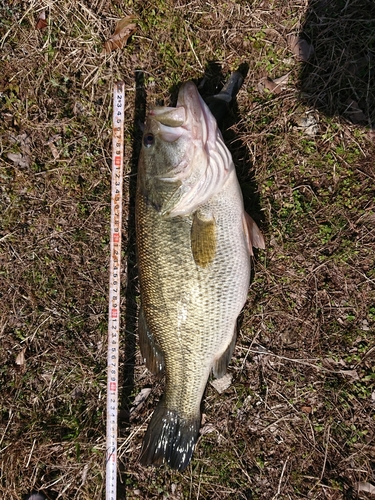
(114, 290)
(116, 236)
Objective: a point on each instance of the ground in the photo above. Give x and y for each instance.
(298, 419)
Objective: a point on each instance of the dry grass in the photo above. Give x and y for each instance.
(298, 419)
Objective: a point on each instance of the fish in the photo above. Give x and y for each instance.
(194, 242)
(219, 103)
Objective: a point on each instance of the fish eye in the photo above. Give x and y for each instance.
(148, 140)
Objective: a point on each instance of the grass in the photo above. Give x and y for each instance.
(298, 420)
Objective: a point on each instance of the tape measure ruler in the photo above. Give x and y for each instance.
(114, 289)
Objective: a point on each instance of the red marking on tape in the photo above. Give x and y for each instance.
(114, 313)
(117, 160)
(116, 237)
(112, 386)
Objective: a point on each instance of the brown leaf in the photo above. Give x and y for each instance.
(275, 86)
(139, 400)
(53, 148)
(207, 429)
(221, 384)
(300, 48)
(350, 373)
(19, 159)
(41, 23)
(365, 486)
(282, 81)
(269, 84)
(124, 29)
(20, 359)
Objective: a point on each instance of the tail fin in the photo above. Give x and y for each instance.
(169, 439)
(219, 103)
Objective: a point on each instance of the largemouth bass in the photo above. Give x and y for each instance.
(194, 242)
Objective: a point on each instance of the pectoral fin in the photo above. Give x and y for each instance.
(220, 365)
(151, 352)
(203, 239)
(253, 234)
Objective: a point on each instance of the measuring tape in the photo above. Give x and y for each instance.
(114, 289)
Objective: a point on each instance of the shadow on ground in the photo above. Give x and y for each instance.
(339, 78)
(131, 285)
(229, 120)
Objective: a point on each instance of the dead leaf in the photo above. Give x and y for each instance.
(275, 86)
(269, 84)
(19, 159)
(306, 121)
(221, 384)
(332, 363)
(53, 148)
(300, 48)
(41, 23)
(139, 400)
(20, 359)
(365, 326)
(207, 429)
(22, 159)
(124, 29)
(54, 151)
(350, 373)
(24, 141)
(367, 487)
(282, 81)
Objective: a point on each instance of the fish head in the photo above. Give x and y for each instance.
(165, 140)
(183, 155)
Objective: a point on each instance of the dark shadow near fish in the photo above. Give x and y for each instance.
(338, 78)
(130, 321)
(223, 103)
(221, 97)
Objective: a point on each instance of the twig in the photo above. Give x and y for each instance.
(325, 453)
(281, 479)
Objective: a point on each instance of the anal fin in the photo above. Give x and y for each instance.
(220, 365)
(151, 352)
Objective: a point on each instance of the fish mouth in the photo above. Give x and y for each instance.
(202, 125)
(168, 122)
(188, 118)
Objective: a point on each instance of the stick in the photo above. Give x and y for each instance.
(114, 289)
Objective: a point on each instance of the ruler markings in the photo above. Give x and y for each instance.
(114, 289)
